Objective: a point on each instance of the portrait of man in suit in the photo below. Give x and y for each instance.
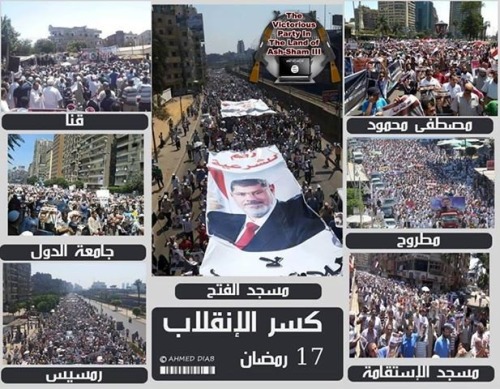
(266, 223)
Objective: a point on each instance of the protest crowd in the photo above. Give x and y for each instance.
(413, 172)
(398, 320)
(74, 333)
(38, 210)
(291, 130)
(110, 84)
(432, 77)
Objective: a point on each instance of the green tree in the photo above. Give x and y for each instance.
(383, 26)
(396, 30)
(472, 21)
(78, 184)
(354, 200)
(116, 303)
(160, 53)
(59, 181)
(44, 46)
(75, 46)
(13, 141)
(9, 39)
(32, 180)
(13, 308)
(24, 47)
(136, 312)
(470, 151)
(159, 108)
(136, 183)
(43, 306)
(484, 279)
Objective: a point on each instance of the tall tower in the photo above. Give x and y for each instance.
(361, 24)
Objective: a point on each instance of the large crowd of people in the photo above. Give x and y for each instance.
(449, 77)
(291, 130)
(398, 320)
(38, 210)
(114, 85)
(75, 333)
(414, 172)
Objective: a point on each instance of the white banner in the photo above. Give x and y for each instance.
(259, 222)
(250, 107)
(103, 196)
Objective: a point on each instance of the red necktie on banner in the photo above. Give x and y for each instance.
(247, 236)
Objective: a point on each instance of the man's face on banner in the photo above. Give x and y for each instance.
(255, 200)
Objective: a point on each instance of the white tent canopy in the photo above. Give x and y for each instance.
(133, 51)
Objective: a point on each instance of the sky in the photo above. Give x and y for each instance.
(225, 25)
(489, 12)
(84, 274)
(23, 155)
(32, 18)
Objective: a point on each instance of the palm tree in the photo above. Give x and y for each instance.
(383, 25)
(14, 141)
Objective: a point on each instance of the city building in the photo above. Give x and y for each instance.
(240, 47)
(180, 29)
(16, 284)
(129, 158)
(398, 14)
(365, 18)
(425, 16)
(439, 272)
(61, 36)
(57, 154)
(456, 17)
(98, 285)
(71, 155)
(95, 160)
(17, 175)
(41, 159)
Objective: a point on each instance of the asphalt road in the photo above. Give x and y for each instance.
(136, 325)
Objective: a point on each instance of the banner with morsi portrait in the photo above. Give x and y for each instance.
(259, 223)
(252, 107)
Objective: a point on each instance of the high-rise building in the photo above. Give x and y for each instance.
(456, 17)
(16, 284)
(98, 285)
(71, 157)
(95, 160)
(57, 156)
(398, 14)
(365, 18)
(41, 159)
(425, 16)
(129, 157)
(180, 28)
(240, 47)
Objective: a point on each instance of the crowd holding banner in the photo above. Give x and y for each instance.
(449, 77)
(296, 137)
(73, 333)
(94, 82)
(398, 320)
(415, 172)
(38, 210)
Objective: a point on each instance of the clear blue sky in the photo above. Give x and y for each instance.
(225, 25)
(23, 155)
(490, 11)
(85, 273)
(32, 18)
